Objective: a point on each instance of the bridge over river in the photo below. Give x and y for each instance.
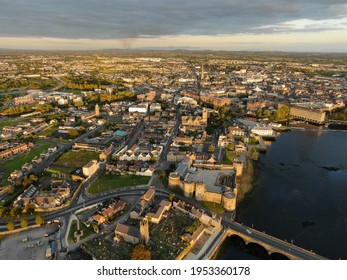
(269, 243)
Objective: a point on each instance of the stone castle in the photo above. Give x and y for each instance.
(226, 196)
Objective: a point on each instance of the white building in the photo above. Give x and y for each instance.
(140, 108)
(262, 131)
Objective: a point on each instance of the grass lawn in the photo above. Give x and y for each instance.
(73, 228)
(9, 121)
(9, 166)
(215, 207)
(47, 132)
(229, 157)
(110, 182)
(74, 159)
(61, 169)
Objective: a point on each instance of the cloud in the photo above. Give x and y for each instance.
(305, 25)
(115, 19)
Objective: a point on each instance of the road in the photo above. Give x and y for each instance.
(83, 200)
(59, 85)
(258, 237)
(170, 139)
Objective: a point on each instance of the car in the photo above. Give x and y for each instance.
(248, 231)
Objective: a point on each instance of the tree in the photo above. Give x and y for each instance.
(282, 112)
(267, 114)
(10, 226)
(3, 211)
(141, 252)
(171, 198)
(172, 166)
(73, 133)
(192, 228)
(231, 147)
(253, 140)
(79, 103)
(259, 113)
(107, 218)
(39, 220)
(15, 211)
(33, 178)
(30, 209)
(28, 180)
(8, 97)
(9, 190)
(24, 223)
(81, 130)
(162, 175)
(211, 149)
(95, 228)
(255, 154)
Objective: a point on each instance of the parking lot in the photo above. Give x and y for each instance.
(27, 245)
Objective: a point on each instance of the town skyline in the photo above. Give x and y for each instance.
(274, 25)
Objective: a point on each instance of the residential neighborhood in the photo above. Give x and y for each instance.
(154, 148)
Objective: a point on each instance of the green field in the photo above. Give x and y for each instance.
(110, 182)
(87, 231)
(72, 160)
(8, 122)
(229, 157)
(215, 207)
(9, 166)
(47, 132)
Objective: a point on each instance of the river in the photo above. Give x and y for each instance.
(299, 194)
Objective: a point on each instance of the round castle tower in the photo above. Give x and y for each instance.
(174, 179)
(188, 189)
(229, 201)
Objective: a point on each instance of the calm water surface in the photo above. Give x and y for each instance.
(300, 193)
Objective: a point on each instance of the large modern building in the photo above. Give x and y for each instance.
(262, 131)
(310, 115)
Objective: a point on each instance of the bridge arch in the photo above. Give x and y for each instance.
(237, 240)
(257, 250)
(278, 256)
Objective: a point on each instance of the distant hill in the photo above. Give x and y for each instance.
(188, 52)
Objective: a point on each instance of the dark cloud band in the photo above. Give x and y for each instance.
(112, 19)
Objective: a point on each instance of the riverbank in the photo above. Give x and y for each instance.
(245, 182)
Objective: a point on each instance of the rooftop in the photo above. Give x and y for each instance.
(128, 230)
(209, 177)
(120, 133)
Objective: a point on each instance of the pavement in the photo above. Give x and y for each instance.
(32, 249)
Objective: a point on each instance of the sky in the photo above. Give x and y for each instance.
(237, 25)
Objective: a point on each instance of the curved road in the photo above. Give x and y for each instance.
(258, 237)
